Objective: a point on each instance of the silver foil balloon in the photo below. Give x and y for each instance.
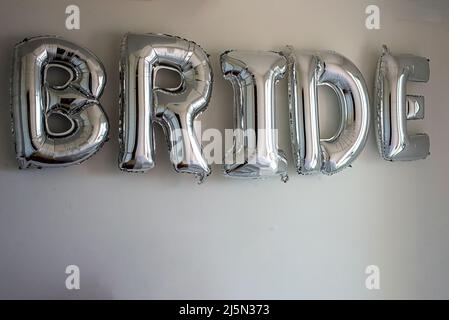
(253, 76)
(142, 103)
(394, 106)
(34, 100)
(306, 72)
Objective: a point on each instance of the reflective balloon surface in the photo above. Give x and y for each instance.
(306, 72)
(394, 106)
(35, 100)
(143, 103)
(253, 76)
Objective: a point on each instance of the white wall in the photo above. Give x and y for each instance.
(159, 235)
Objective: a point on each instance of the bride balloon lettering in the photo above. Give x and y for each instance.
(253, 76)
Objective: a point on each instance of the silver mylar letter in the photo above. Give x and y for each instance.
(253, 76)
(34, 100)
(306, 72)
(394, 106)
(142, 103)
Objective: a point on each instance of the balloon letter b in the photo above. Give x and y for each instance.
(35, 99)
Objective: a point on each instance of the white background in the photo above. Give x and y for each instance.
(160, 235)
